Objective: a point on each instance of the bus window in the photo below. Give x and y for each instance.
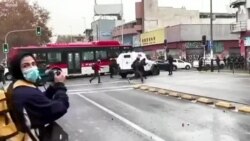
(41, 57)
(88, 56)
(54, 57)
(113, 53)
(102, 55)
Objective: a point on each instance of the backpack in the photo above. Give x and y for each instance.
(93, 66)
(9, 127)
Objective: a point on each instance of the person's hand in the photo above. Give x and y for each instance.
(59, 78)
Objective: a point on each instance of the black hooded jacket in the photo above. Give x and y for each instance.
(41, 107)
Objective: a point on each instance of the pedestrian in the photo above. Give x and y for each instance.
(218, 63)
(170, 61)
(212, 65)
(30, 108)
(2, 70)
(112, 67)
(200, 64)
(136, 68)
(142, 65)
(225, 61)
(96, 67)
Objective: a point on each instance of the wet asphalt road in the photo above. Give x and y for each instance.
(113, 111)
(224, 86)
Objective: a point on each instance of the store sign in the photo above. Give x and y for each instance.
(153, 37)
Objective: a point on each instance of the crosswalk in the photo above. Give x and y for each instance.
(99, 90)
(81, 88)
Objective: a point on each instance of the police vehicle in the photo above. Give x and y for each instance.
(125, 60)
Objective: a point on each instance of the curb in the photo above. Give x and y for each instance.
(205, 100)
(187, 97)
(162, 91)
(223, 104)
(143, 87)
(197, 99)
(245, 109)
(152, 90)
(174, 94)
(136, 86)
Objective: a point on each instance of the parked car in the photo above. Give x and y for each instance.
(207, 62)
(179, 64)
(164, 65)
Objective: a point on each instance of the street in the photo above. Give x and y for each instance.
(114, 111)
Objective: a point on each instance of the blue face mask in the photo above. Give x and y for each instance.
(31, 74)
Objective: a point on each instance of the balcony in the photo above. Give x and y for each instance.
(237, 3)
(126, 30)
(238, 27)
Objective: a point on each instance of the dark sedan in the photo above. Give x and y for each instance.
(163, 65)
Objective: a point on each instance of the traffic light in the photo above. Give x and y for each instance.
(5, 48)
(204, 40)
(38, 31)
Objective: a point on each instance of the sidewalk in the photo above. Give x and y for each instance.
(228, 71)
(225, 87)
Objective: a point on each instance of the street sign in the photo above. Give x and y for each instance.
(5, 48)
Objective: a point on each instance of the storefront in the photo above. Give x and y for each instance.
(153, 44)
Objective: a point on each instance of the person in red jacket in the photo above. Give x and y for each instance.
(96, 67)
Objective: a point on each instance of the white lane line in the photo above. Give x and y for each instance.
(73, 85)
(81, 92)
(126, 121)
(102, 88)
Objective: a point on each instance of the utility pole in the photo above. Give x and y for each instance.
(211, 29)
(122, 21)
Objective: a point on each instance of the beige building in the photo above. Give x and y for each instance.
(154, 17)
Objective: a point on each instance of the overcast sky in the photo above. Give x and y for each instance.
(73, 16)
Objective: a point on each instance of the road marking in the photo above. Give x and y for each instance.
(80, 92)
(126, 121)
(103, 88)
(73, 85)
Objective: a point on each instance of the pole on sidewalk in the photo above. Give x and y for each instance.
(211, 29)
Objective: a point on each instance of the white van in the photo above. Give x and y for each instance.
(125, 61)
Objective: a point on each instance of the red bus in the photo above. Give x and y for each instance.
(75, 58)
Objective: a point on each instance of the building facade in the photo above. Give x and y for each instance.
(153, 43)
(125, 33)
(242, 25)
(183, 42)
(102, 29)
(152, 17)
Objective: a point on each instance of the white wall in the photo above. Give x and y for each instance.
(186, 32)
(158, 17)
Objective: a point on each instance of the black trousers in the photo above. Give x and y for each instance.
(170, 71)
(2, 78)
(97, 74)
